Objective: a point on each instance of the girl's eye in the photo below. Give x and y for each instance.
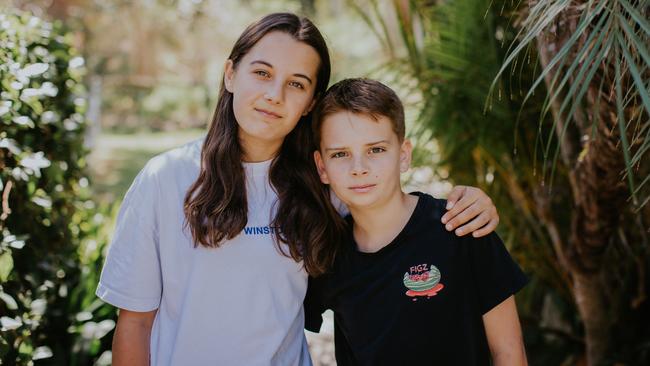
(376, 150)
(340, 154)
(297, 85)
(261, 73)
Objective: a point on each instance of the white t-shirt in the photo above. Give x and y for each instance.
(239, 304)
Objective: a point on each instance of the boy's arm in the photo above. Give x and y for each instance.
(132, 338)
(314, 304)
(472, 208)
(504, 334)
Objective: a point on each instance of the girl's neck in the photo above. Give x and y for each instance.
(376, 227)
(256, 150)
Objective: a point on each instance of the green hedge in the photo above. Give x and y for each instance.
(50, 253)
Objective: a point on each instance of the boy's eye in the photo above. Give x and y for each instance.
(339, 154)
(297, 85)
(261, 73)
(376, 150)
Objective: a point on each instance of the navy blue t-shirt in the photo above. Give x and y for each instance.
(419, 299)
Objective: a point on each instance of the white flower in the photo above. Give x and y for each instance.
(43, 202)
(104, 327)
(23, 121)
(49, 117)
(76, 62)
(35, 162)
(33, 70)
(5, 107)
(11, 145)
(9, 323)
(17, 244)
(39, 306)
(42, 352)
(19, 174)
(47, 89)
(29, 93)
(83, 316)
(70, 125)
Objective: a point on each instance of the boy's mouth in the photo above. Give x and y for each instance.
(362, 188)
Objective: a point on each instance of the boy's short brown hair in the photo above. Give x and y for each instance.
(362, 96)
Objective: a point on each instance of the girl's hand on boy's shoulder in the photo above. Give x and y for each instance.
(471, 208)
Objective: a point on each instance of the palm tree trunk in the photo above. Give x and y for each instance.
(599, 195)
(587, 290)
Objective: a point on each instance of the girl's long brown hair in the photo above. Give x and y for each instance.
(216, 207)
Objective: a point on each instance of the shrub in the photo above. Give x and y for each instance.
(51, 236)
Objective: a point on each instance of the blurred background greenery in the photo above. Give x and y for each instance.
(543, 104)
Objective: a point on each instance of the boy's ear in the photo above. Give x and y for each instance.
(405, 155)
(228, 74)
(311, 106)
(320, 166)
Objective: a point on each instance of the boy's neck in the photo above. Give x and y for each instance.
(375, 227)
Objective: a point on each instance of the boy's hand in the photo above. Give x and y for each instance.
(470, 203)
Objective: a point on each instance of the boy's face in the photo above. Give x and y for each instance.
(361, 159)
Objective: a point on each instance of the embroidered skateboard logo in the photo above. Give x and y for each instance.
(422, 281)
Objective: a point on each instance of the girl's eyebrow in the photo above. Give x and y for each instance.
(334, 148)
(271, 66)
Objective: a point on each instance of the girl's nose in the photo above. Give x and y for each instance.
(274, 94)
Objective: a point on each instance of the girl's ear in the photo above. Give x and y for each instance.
(405, 156)
(228, 74)
(320, 166)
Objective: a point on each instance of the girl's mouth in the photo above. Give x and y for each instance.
(266, 113)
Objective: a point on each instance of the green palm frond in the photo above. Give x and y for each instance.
(608, 50)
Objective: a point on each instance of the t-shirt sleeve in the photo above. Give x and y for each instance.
(131, 277)
(314, 304)
(496, 274)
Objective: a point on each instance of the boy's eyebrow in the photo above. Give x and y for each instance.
(368, 144)
(378, 142)
(271, 66)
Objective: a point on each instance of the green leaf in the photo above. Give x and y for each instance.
(640, 19)
(636, 75)
(561, 55)
(621, 123)
(6, 266)
(639, 45)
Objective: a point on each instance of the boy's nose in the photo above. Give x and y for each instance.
(359, 167)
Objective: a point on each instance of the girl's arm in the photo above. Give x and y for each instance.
(132, 337)
(504, 334)
(472, 208)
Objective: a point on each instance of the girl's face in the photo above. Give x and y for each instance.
(273, 86)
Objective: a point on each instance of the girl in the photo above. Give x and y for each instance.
(214, 240)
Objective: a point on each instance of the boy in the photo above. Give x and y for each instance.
(403, 289)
